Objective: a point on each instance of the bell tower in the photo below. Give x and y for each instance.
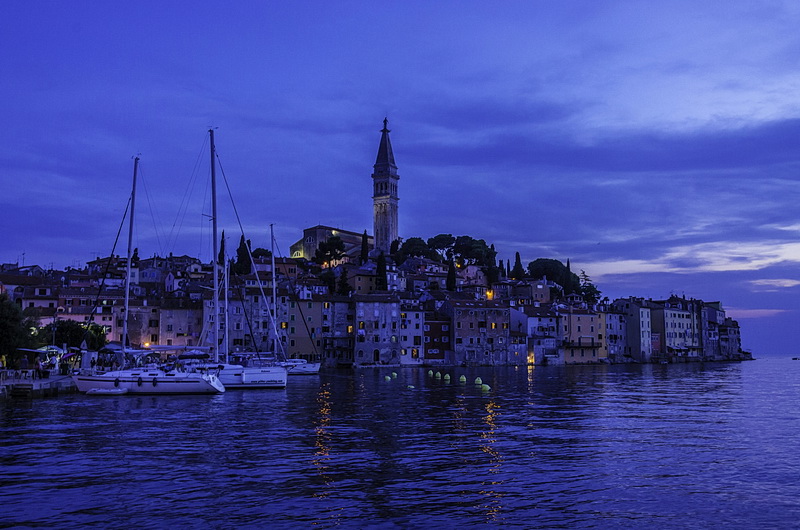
(384, 193)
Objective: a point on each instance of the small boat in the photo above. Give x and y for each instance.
(300, 367)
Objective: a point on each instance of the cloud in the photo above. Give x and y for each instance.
(773, 285)
(741, 314)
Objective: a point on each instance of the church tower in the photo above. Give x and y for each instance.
(384, 193)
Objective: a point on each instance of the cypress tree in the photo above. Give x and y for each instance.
(451, 276)
(518, 272)
(381, 283)
(364, 248)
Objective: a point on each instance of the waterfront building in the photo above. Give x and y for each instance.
(638, 339)
(481, 331)
(676, 322)
(377, 329)
(580, 335)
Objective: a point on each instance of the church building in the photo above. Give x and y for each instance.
(384, 201)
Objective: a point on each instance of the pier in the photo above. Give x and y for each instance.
(26, 384)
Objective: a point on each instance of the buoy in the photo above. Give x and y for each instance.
(478, 381)
(438, 375)
(387, 378)
(394, 375)
(447, 377)
(430, 373)
(485, 388)
(411, 387)
(462, 379)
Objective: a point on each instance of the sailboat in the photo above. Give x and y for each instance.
(233, 376)
(153, 379)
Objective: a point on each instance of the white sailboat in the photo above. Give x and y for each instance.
(234, 376)
(145, 380)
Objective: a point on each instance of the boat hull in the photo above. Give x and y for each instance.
(238, 377)
(149, 382)
(302, 368)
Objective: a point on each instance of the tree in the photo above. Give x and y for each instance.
(365, 248)
(451, 276)
(73, 334)
(442, 244)
(518, 272)
(329, 279)
(554, 270)
(343, 287)
(492, 271)
(329, 251)
(242, 264)
(381, 282)
(414, 246)
(13, 333)
(469, 251)
(589, 291)
(221, 255)
(261, 253)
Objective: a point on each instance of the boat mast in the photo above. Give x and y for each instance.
(215, 250)
(128, 267)
(274, 307)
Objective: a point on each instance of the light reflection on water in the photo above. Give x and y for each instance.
(549, 447)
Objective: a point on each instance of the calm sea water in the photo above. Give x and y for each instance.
(678, 446)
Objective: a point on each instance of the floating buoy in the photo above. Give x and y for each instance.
(447, 377)
(485, 388)
(411, 387)
(387, 378)
(430, 373)
(438, 375)
(462, 379)
(394, 375)
(478, 381)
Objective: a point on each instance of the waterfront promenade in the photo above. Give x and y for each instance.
(25, 383)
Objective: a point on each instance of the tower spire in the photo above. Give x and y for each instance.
(385, 160)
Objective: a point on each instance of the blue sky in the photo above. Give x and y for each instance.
(656, 145)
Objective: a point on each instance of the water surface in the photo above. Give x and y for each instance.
(677, 446)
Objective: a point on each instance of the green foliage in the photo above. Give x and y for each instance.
(589, 291)
(365, 247)
(381, 282)
(554, 271)
(442, 244)
(342, 286)
(329, 279)
(262, 253)
(329, 251)
(451, 276)
(242, 264)
(415, 247)
(12, 331)
(518, 272)
(469, 251)
(73, 334)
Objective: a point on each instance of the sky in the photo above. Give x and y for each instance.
(654, 144)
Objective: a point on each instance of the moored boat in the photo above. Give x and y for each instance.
(149, 381)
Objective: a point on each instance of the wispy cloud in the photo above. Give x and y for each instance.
(739, 314)
(773, 285)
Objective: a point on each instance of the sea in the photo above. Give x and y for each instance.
(711, 445)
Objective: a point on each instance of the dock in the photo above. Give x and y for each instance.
(25, 384)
